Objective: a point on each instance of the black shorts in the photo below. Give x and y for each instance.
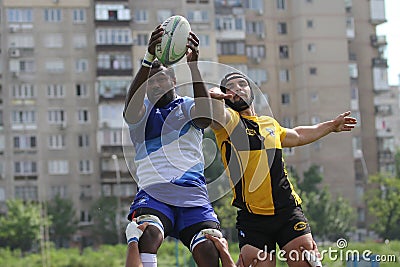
(265, 231)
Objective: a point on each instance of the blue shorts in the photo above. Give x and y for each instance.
(177, 221)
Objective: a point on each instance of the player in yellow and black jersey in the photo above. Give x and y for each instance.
(251, 149)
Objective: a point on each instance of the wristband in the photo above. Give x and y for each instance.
(148, 59)
(132, 232)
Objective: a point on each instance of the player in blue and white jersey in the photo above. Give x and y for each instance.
(166, 131)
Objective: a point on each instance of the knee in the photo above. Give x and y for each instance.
(206, 254)
(151, 240)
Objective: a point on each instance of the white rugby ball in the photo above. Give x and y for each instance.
(174, 40)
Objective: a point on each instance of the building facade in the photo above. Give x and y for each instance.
(66, 66)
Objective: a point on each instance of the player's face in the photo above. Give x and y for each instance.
(239, 89)
(160, 88)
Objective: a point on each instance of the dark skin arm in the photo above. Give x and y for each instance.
(134, 102)
(201, 112)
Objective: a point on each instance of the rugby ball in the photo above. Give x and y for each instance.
(174, 40)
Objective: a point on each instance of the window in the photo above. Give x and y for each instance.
(86, 191)
(23, 91)
(284, 75)
(23, 116)
(85, 166)
(85, 216)
(19, 15)
(79, 15)
(198, 16)
(24, 141)
(114, 61)
(58, 167)
(52, 14)
(255, 27)
(310, 23)
(56, 116)
(58, 190)
(23, 65)
(25, 167)
(55, 91)
(83, 116)
(82, 90)
(288, 151)
(55, 66)
(281, 4)
(255, 51)
(255, 4)
(163, 14)
(313, 71)
(79, 41)
(204, 40)
(311, 48)
(142, 39)
(230, 48)
(141, 16)
(282, 28)
(115, 137)
(83, 140)
(81, 65)
(283, 51)
(53, 41)
(113, 36)
(287, 122)
(285, 98)
(315, 120)
(21, 41)
(28, 192)
(56, 141)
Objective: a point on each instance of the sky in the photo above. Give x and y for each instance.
(392, 31)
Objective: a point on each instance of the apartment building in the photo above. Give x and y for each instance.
(66, 66)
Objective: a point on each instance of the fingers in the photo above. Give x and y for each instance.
(193, 45)
(143, 226)
(216, 93)
(155, 38)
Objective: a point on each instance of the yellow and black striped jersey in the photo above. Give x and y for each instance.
(251, 151)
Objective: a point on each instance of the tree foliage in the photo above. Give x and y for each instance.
(329, 218)
(20, 226)
(383, 200)
(104, 214)
(64, 221)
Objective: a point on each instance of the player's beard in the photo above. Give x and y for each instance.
(241, 104)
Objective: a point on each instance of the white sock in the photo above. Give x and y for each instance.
(149, 260)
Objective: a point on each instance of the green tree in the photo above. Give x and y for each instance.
(20, 226)
(383, 200)
(64, 221)
(329, 218)
(312, 178)
(397, 162)
(104, 214)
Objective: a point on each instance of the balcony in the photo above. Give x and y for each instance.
(114, 72)
(378, 40)
(385, 157)
(379, 62)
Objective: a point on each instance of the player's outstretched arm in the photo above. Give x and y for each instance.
(220, 115)
(133, 233)
(201, 112)
(134, 108)
(303, 135)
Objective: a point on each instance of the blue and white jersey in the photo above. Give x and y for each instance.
(169, 158)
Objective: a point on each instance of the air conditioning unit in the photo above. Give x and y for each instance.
(14, 74)
(261, 36)
(12, 29)
(14, 52)
(260, 12)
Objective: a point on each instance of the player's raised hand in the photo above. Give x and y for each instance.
(216, 93)
(155, 38)
(192, 53)
(344, 123)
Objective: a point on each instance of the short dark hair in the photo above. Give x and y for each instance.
(157, 65)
